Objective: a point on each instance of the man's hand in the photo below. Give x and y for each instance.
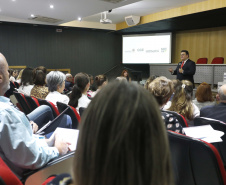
(34, 127)
(180, 70)
(61, 145)
(170, 70)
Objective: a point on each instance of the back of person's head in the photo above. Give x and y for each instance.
(204, 93)
(27, 76)
(162, 89)
(182, 99)
(10, 72)
(81, 81)
(222, 93)
(100, 79)
(149, 80)
(122, 139)
(42, 68)
(39, 77)
(175, 81)
(55, 80)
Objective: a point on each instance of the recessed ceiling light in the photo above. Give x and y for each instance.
(51, 6)
(13, 0)
(79, 19)
(32, 15)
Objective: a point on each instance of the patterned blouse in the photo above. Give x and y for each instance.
(172, 123)
(39, 92)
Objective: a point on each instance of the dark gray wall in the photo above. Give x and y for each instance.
(86, 50)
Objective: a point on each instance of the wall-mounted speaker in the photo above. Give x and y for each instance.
(132, 20)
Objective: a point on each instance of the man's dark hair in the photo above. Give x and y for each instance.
(186, 51)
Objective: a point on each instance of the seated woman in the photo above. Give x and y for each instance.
(78, 96)
(125, 74)
(122, 137)
(100, 81)
(26, 81)
(39, 90)
(56, 84)
(203, 96)
(162, 89)
(182, 102)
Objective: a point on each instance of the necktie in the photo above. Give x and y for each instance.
(182, 64)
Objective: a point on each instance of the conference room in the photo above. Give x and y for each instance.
(106, 37)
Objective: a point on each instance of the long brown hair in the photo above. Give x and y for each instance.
(122, 139)
(182, 99)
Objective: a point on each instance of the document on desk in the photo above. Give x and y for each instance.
(205, 133)
(68, 135)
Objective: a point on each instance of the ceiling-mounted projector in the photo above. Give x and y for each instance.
(104, 19)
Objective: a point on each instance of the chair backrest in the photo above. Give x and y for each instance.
(81, 110)
(33, 102)
(218, 60)
(179, 117)
(217, 125)
(72, 112)
(195, 162)
(202, 61)
(51, 105)
(22, 102)
(7, 175)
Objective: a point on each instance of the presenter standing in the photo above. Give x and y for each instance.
(185, 69)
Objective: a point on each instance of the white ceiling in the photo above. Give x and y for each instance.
(89, 10)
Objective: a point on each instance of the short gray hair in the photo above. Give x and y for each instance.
(53, 79)
(221, 92)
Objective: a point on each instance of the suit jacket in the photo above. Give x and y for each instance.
(189, 70)
(214, 112)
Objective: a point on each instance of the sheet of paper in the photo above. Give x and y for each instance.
(206, 133)
(69, 135)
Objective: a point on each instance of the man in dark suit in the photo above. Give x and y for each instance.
(185, 69)
(216, 111)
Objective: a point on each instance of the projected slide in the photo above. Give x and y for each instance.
(147, 49)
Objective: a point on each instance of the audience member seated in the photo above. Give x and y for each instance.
(18, 79)
(203, 96)
(13, 75)
(216, 111)
(182, 102)
(69, 82)
(18, 148)
(39, 90)
(92, 84)
(122, 139)
(78, 97)
(162, 89)
(26, 81)
(100, 81)
(126, 75)
(56, 84)
(149, 80)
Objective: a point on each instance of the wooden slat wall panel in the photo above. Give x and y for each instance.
(207, 43)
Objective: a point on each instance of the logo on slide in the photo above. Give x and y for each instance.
(140, 49)
(152, 51)
(163, 50)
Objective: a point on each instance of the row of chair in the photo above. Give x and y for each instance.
(27, 104)
(216, 60)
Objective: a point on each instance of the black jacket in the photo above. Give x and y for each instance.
(189, 69)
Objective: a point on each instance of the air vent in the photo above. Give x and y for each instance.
(45, 19)
(113, 1)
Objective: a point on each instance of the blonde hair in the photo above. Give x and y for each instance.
(182, 99)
